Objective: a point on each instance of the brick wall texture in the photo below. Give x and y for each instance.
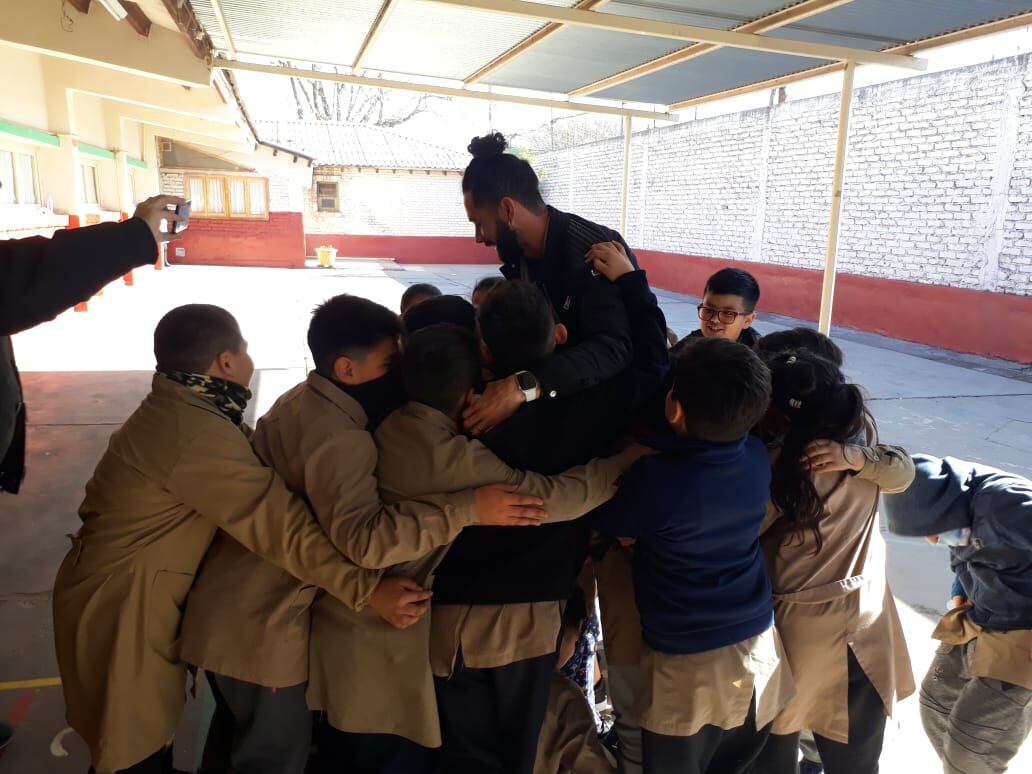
(938, 186)
(389, 202)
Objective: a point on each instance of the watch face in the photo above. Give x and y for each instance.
(526, 381)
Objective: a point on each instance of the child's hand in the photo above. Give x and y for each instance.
(610, 260)
(831, 456)
(499, 505)
(400, 601)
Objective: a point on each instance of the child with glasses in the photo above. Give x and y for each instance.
(728, 308)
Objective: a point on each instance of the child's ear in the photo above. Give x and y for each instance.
(343, 370)
(562, 335)
(674, 411)
(749, 319)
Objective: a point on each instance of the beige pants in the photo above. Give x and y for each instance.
(623, 685)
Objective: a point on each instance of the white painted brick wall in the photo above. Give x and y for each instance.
(172, 183)
(938, 181)
(390, 202)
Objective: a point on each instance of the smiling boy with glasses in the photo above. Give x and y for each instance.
(728, 307)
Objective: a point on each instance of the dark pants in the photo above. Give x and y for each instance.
(159, 763)
(712, 750)
(257, 730)
(341, 752)
(491, 718)
(866, 733)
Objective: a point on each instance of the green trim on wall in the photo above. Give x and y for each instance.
(26, 133)
(93, 150)
(137, 163)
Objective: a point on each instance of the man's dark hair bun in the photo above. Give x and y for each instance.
(493, 144)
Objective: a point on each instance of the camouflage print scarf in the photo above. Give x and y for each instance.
(229, 397)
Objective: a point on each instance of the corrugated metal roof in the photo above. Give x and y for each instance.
(450, 41)
(306, 30)
(867, 24)
(435, 40)
(358, 145)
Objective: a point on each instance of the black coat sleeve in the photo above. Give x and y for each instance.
(648, 326)
(40, 278)
(605, 346)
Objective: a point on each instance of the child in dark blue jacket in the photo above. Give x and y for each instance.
(976, 700)
(712, 678)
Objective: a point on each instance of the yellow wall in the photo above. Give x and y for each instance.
(21, 100)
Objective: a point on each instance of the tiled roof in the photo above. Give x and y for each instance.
(358, 145)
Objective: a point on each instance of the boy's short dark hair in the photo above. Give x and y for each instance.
(443, 309)
(799, 338)
(517, 323)
(190, 337)
(348, 326)
(487, 284)
(440, 365)
(735, 282)
(412, 292)
(723, 387)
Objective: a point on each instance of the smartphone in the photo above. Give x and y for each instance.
(183, 210)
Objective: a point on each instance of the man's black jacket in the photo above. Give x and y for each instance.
(587, 303)
(504, 565)
(39, 279)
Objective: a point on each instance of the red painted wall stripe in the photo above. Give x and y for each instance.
(405, 249)
(992, 324)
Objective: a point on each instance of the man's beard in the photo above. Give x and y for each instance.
(506, 243)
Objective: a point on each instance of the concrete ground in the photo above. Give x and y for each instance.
(84, 373)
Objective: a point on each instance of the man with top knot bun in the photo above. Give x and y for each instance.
(558, 252)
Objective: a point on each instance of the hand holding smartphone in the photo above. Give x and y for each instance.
(183, 211)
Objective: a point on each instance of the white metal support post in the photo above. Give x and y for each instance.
(626, 175)
(831, 256)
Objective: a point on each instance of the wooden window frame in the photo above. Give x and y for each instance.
(225, 181)
(319, 197)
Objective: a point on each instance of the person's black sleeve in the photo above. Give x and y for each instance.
(648, 326)
(40, 278)
(603, 352)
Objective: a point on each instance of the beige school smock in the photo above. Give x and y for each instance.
(680, 693)
(1005, 656)
(248, 619)
(173, 474)
(839, 598)
(569, 743)
(621, 626)
(421, 450)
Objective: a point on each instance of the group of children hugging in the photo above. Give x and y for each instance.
(391, 574)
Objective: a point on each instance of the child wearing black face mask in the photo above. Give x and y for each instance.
(317, 436)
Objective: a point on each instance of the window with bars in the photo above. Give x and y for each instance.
(18, 182)
(327, 197)
(227, 196)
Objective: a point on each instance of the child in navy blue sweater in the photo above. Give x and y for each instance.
(711, 673)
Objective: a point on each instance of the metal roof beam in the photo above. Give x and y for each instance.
(772, 21)
(528, 43)
(659, 29)
(221, 17)
(374, 32)
(956, 36)
(447, 91)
